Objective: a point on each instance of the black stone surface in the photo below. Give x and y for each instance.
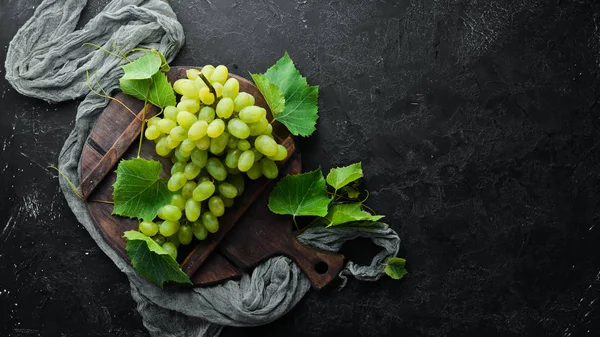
(478, 126)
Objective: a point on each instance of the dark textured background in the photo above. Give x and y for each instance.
(477, 123)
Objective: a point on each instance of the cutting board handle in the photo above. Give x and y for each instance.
(320, 266)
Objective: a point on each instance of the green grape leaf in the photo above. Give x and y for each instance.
(152, 261)
(138, 191)
(342, 176)
(271, 93)
(143, 68)
(164, 65)
(343, 213)
(300, 112)
(395, 268)
(159, 90)
(301, 194)
(352, 192)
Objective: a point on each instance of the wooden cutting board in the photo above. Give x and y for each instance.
(249, 233)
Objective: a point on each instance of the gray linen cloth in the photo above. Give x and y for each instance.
(46, 59)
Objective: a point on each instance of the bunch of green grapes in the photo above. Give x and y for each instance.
(214, 136)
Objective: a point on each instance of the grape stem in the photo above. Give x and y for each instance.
(73, 188)
(208, 84)
(103, 201)
(122, 56)
(105, 94)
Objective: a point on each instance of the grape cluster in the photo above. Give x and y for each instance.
(214, 136)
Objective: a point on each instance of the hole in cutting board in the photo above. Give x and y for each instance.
(321, 267)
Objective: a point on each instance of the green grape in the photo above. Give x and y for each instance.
(232, 170)
(176, 182)
(206, 96)
(227, 202)
(185, 234)
(215, 128)
(172, 143)
(178, 200)
(216, 169)
(238, 128)
(168, 227)
(246, 160)
(269, 130)
(197, 130)
(192, 74)
(210, 222)
(199, 230)
(159, 239)
(186, 119)
(186, 87)
(152, 132)
(153, 121)
(268, 168)
(184, 151)
(216, 206)
(219, 75)
(203, 143)
(206, 114)
(232, 143)
(187, 146)
(169, 212)
(259, 127)
(189, 105)
(161, 147)
(281, 153)
(225, 107)
(148, 228)
(238, 182)
(217, 145)
(178, 133)
(199, 157)
(187, 191)
(232, 158)
(174, 239)
(254, 172)
(257, 155)
(242, 100)
(251, 114)
(203, 191)
(231, 88)
(228, 190)
(204, 176)
(165, 125)
(170, 248)
(180, 156)
(192, 209)
(244, 145)
(191, 171)
(183, 155)
(266, 145)
(170, 112)
(218, 89)
(207, 70)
